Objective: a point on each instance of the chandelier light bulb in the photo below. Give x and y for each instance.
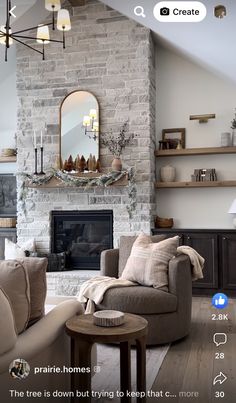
(63, 20)
(43, 34)
(53, 5)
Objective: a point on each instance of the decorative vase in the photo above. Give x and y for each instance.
(116, 164)
(234, 138)
(226, 139)
(167, 173)
(179, 146)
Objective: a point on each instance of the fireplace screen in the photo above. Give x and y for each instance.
(7, 195)
(83, 235)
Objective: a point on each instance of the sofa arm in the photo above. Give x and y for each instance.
(109, 262)
(180, 278)
(42, 334)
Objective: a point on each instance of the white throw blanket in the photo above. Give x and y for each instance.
(93, 290)
(197, 261)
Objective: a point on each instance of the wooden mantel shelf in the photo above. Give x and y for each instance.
(56, 183)
(8, 159)
(195, 151)
(169, 185)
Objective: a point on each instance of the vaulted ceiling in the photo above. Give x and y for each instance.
(21, 7)
(211, 43)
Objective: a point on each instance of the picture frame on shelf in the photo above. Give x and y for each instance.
(174, 137)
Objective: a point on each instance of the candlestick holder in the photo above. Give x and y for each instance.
(35, 161)
(41, 152)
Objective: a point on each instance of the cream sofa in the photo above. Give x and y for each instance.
(43, 345)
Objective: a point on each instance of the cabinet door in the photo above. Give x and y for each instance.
(206, 245)
(6, 233)
(169, 234)
(228, 260)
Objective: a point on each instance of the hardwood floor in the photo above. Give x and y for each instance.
(191, 364)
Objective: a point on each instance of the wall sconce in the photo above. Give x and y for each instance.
(220, 11)
(90, 124)
(202, 118)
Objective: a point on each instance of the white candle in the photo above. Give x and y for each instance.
(41, 145)
(35, 145)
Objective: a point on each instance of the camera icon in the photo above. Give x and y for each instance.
(164, 11)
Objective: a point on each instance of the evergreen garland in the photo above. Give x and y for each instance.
(69, 180)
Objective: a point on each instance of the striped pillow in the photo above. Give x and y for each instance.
(148, 261)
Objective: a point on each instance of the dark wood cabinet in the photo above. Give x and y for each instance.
(228, 260)
(9, 233)
(218, 247)
(207, 246)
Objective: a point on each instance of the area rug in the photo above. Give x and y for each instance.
(108, 363)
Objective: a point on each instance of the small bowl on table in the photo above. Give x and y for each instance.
(108, 318)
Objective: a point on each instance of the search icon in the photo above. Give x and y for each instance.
(139, 11)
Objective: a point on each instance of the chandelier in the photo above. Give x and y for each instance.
(90, 124)
(7, 37)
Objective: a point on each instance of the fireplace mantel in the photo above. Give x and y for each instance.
(56, 183)
(59, 179)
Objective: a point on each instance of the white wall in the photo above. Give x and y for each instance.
(8, 105)
(183, 88)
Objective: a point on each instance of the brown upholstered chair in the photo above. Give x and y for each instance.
(168, 313)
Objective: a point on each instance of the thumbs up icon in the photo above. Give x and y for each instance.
(220, 301)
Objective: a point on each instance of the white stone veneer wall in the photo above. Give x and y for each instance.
(113, 57)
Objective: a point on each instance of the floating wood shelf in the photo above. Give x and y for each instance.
(8, 159)
(195, 151)
(169, 185)
(56, 183)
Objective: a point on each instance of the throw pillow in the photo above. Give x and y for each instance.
(8, 335)
(148, 261)
(36, 270)
(56, 261)
(16, 251)
(126, 243)
(14, 281)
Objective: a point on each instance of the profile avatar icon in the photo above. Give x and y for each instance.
(220, 11)
(19, 369)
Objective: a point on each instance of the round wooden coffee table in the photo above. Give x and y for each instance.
(84, 334)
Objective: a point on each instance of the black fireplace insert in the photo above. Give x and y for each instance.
(83, 235)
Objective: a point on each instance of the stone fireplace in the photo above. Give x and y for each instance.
(112, 57)
(83, 235)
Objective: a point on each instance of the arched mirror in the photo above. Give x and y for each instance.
(79, 121)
